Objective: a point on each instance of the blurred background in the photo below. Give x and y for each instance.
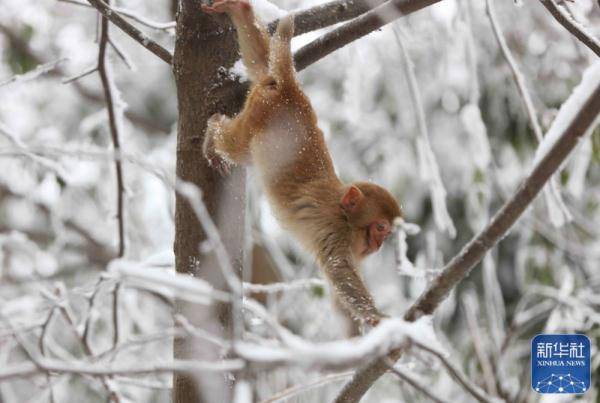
(427, 107)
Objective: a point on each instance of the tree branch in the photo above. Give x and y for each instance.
(572, 26)
(458, 375)
(357, 28)
(324, 15)
(107, 85)
(132, 31)
(462, 264)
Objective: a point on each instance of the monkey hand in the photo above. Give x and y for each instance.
(213, 158)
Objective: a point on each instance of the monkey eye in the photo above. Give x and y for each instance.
(381, 227)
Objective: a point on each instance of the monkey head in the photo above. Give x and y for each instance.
(370, 211)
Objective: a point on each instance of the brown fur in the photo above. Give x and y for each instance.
(277, 132)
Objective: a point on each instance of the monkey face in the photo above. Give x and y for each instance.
(370, 211)
(369, 239)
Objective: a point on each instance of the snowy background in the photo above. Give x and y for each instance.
(427, 107)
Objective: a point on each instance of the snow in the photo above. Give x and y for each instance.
(181, 285)
(239, 70)
(267, 11)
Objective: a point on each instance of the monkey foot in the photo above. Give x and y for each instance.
(226, 6)
(214, 159)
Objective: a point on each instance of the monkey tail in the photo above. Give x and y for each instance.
(281, 63)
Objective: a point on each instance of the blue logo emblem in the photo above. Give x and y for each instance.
(560, 363)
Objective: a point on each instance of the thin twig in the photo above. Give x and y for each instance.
(107, 84)
(516, 73)
(414, 382)
(88, 321)
(572, 26)
(132, 31)
(77, 76)
(469, 307)
(298, 389)
(458, 375)
(115, 315)
(42, 346)
(462, 264)
(121, 53)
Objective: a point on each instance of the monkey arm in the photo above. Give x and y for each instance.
(350, 289)
(252, 35)
(253, 41)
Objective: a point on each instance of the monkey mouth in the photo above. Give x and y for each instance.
(372, 244)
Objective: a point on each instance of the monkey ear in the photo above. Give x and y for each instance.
(351, 198)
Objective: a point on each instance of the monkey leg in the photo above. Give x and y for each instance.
(225, 143)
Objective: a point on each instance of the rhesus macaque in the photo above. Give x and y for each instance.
(277, 132)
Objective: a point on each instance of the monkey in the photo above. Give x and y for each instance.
(277, 133)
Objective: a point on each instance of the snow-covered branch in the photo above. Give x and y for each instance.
(167, 282)
(389, 335)
(355, 29)
(132, 31)
(572, 26)
(166, 26)
(324, 15)
(278, 287)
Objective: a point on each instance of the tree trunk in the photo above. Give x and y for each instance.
(202, 47)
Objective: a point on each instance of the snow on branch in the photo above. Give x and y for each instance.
(389, 335)
(568, 111)
(357, 28)
(572, 26)
(278, 287)
(187, 287)
(324, 15)
(579, 113)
